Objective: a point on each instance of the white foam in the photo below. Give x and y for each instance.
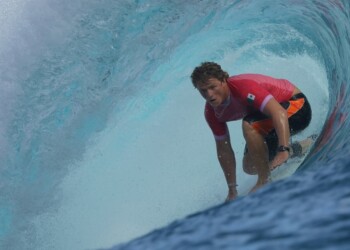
(26, 32)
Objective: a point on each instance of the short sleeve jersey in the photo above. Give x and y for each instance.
(248, 94)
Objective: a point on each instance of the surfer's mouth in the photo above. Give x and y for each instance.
(213, 102)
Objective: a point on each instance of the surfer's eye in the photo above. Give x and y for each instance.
(203, 91)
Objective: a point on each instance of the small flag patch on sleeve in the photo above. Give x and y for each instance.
(250, 98)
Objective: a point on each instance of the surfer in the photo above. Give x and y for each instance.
(271, 111)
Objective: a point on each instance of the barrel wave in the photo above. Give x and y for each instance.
(103, 143)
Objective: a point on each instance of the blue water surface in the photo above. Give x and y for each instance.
(103, 141)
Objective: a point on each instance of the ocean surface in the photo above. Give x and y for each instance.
(103, 143)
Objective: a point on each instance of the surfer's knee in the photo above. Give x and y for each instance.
(250, 132)
(247, 128)
(248, 167)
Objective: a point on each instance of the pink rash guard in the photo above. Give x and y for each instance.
(248, 93)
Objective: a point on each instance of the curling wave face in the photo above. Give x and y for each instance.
(102, 137)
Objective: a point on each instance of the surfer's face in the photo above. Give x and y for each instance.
(214, 91)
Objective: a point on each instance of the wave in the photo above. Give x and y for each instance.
(103, 137)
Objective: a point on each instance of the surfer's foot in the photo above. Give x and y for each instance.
(259, 185)
(299, 149)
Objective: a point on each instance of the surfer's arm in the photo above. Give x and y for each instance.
(227, 161)
(280, 121)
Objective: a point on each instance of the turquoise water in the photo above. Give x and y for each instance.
(103, 140)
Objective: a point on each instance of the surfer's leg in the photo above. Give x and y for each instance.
(298, 149)
(299, 112)
(248, 166)
(255, 127)
(257, 154)
(271, 141)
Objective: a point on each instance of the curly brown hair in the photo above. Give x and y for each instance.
(207, 70)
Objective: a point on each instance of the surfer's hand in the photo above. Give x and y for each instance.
(232, 194)
(280, 158)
